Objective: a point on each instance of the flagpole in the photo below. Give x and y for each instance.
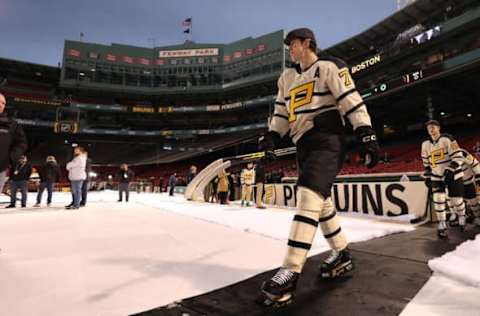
(191, 29)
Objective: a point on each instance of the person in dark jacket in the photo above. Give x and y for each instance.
(172, 181)
(13, 142)
(192, 172)
(124, 176)
(20, 175)
(259, 182)
(86, 183)
(49, 175)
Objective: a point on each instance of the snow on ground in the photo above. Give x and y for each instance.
(462, 264)
(454, 288)
(114, 258)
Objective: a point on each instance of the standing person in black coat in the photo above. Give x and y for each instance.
(86, 183)
(21, 172)
(172, 182)
(191, 173)
(49, 175)
(259, 182)
(13, 142)
(124, 176)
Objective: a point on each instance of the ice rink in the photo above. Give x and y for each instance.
(114, 258)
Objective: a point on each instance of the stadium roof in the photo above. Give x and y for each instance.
(385, 31)
(16, 68)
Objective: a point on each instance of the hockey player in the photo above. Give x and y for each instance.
(314, 98)
(471, 179)
(443, 159)
(247, 179)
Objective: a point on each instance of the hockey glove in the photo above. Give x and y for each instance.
(268, 142)
(369, 150)
(449, 172)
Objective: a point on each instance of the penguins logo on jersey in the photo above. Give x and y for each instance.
(437, 155)
(300, 96)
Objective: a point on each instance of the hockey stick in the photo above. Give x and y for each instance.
(422, 219)
(258, 155)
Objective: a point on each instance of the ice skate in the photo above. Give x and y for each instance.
(453, 220)
(280, 289)
(442, 230)
(337, 264)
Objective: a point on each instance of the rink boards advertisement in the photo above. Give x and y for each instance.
(373, 198)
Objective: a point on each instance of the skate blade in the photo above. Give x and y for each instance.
(275, 301)
(442, 234)
(339, 271)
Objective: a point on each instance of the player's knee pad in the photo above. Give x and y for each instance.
(309, 200)
(458, 205)
(439, 200)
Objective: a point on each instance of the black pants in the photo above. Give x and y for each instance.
(83, 201)
(45, 185)
(223, 197)
(172, 189)
(319, 159)
(123, 187)
(23, 186)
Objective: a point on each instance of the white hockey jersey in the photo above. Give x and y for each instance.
(325, 86)
(438, 155)
(470, 167)
(247, 176)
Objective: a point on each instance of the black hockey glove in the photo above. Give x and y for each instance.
(369, 150)
(268, 142)
(428, 177)
(449, 172)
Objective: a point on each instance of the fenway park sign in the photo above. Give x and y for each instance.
(188, 52)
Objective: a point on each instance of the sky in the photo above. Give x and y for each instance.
(35, 30)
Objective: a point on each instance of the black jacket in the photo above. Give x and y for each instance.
(172, 181)
(13, 142)
(21, 172)
(49, 172)
(125, 176)
(259, 173)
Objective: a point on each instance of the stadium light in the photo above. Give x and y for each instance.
(442, 113)
(81, 74)
(469, 114)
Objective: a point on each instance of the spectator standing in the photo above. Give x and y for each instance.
(20, 174)
(13, 142)
(192, 172)
(259, 182)
(124, 176)
(49, 175)
(77, 174)
(172, 182)
(223, 186)
(86, 183)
